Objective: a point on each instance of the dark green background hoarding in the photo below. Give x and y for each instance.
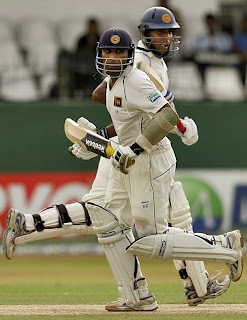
(32, 136)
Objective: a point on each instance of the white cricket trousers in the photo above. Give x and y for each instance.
(99, 187)
(142, 196)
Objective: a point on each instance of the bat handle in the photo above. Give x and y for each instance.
(180, 126)
(110, 152)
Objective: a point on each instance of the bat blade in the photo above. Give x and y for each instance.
(152, 75)
(88, 139)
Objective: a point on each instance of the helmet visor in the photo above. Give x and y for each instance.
(113, 67)
(163, 47)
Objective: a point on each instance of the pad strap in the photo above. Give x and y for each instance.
(63, 215)
(183, 274)
(38, 223)
(87, 217)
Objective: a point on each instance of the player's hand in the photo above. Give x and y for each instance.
(80, 153)
(123, 158)
(76, 150)
(190, 136)
(84, 123)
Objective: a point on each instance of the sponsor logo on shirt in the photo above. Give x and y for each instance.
(118, 102)
(153, 96)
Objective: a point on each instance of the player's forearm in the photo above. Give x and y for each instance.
(159, 127)
(107, 132)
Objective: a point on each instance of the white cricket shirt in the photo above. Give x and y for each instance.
(132, 102)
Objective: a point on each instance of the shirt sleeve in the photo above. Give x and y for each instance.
(140, 56)
(142, 94)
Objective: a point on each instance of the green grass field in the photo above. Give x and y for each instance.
(61, 287)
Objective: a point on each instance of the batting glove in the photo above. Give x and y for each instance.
(80, 153)
(84, 123)
(76, 150)
(123, 158)
(190, 136)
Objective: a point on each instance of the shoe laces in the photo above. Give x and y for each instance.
(216, 275)
(212, 282)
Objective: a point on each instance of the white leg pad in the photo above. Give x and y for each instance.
(176, 244)
(125, 267)
(180, 217)
(199, 276)
(52, 233)
(50, 218)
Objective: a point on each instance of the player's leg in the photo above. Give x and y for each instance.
(197, 283)
(99, 186)
(117, 202)
(51, 222)
(178, 244)
(132, 284)
(150, 202)
(54, 221)
(139, 187)
(149, 188)
(120, 188)
(126, 268)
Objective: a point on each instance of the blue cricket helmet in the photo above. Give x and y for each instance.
(115, 38)
(157, 18)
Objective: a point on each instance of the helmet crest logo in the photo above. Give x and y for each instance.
(166, 18)
(115, 39)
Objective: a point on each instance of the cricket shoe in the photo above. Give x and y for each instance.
(146, 304)
(215, 288)
(15, 227)
(236, 242)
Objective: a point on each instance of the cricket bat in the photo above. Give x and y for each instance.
(87, 139)
(90, 140)
(158, 84)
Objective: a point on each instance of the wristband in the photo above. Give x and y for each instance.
(103, 133)
(136, 148)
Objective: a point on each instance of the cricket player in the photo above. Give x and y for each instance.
(158, 41)
(139, 298)
(139, 114)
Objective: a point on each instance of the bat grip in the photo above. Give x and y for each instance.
(181, 127)
(109, 151)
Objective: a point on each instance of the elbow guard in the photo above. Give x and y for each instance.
(159, 127)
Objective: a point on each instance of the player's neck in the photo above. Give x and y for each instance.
(112, 82)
